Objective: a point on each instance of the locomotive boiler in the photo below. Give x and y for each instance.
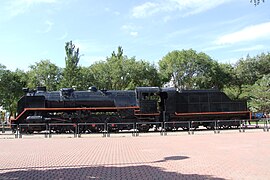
(149, 106)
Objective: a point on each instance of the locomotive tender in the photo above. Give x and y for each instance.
(119, 108)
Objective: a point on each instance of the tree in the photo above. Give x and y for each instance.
(11, 85)
(231, 88)
(2, 85)
(263, 61)
(87, 78)
(128, 73)
(71, 71)
(101, 75)
(256, 2)
(188, 69)
(2, 68)
(141, 73)
(258, 95)
(44, 73)
(123, 73)
(118, 68)
(248, 71)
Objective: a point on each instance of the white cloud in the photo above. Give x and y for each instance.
(12, 63)
(82, 45)
(213, 48)
(117, 13)
(17, 7)
(146, 9)
(166, 18)
(131, 29)
(231, 60)
(49, 26)
(134, 34)
(185, 8)
(63, 37)
(252, 48)
(247, 34)
(179, 33)
(88, 46)
(89, 60)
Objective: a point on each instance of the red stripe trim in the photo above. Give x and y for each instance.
(212, 113)
(19, 115)
(151, 114)
(76, 109)
(138, 113)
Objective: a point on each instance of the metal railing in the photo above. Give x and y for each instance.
(82, 128)
(128, 127)
(135, 128)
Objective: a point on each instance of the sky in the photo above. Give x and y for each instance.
(35, 30)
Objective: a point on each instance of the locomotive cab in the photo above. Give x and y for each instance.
(148, 99)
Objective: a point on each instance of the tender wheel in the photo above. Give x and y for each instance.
(210, 127)
(185, 128)
(143, 128)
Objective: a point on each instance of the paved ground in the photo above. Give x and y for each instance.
(200, 156)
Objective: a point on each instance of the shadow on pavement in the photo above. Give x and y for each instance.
(101, 172)
(172, 158)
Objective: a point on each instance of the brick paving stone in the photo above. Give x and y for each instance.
(199, 156)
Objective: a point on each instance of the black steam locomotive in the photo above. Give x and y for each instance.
(149, 106)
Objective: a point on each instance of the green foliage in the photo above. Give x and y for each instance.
(44, 73)
(2, 85)
(142, 73)
(258, 95)
(188, 69)
(249, 81)
(232, 91)
(71, 73)
(87, 78)
(2, 68)
(120, 72)
(256, 2)
(101, 75)
(11, 84)
(248, 71)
